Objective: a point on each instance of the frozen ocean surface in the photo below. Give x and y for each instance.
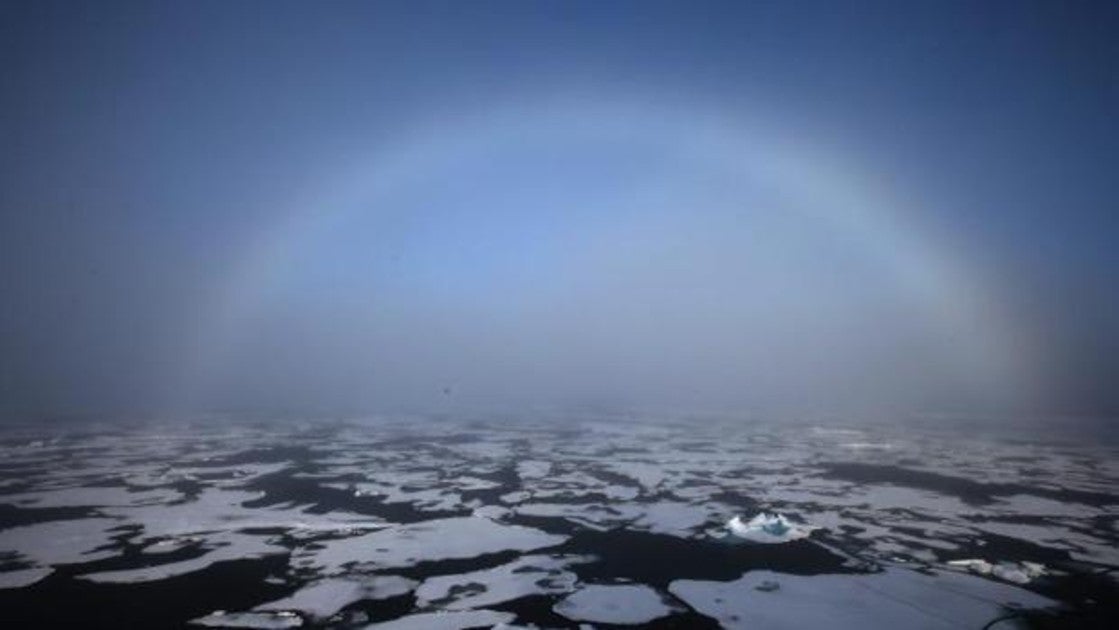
(427, 523)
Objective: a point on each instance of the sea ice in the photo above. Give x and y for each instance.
(622, 604)
(322, 599)
(528, 575)
(1017, 572)
(768, 529)
(60, 542)
(107, 496)
(674, 519)
(443, 620)
(264, 620)
(895, 598)
(22, 577)
(532, 469)
(438, 539)
(225, 546)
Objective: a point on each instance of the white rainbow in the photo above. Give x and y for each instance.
(851, 196)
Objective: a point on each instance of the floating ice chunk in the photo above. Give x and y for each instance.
(1017, 572)
(594, 516)
(533, 469)
(495, 512)
(975, 565)
(528, 575)
(622, 604)
(768, 529)
(429, 499)
(1011, 573)
(22, 577)
(515, 497)
(319, 600)
(649, 476)
(674, 519)
(61, 542)
(212, 510)
(438, 539)
(225, 546)
(106, 496)
(267, 620)
(446, 620)
(896, 598)
(169, 545)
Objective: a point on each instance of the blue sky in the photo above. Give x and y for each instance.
(351, 205)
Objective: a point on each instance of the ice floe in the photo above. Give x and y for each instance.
(438, 539)
(19, 578)
(446, 620)
(528, 575)
(59, 542)
(621, 604)
(676, 519)
(92, 496)
(895, 598)
(219, 547)
(324, 598)
(263, 620)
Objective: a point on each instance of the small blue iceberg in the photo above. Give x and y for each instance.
(768, 529)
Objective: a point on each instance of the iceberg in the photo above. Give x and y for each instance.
(768, 529)
(1017, 572)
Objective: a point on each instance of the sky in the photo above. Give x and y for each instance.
(754, 207)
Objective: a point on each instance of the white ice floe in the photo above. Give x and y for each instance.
(213, 509)
(975, 565)
(1017, 572)
(495, 512)
(96, 496)
(622, 604)
(533, 469)
(443, 620)
(663, 517)
(59, 542)
(22, 577)
(649, 475)
(263, 620)
(528, 575)
(439, 539)
(768, 529)
(594, 516)
(896, 598)
(322, 599)
(430, 499)
(675, 519)
(222, 546)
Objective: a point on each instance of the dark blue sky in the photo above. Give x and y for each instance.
(358, 205)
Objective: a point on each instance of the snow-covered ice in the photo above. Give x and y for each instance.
(438, 539)
(446, 620)
(262, 620)
(621, 604)
(528, 575)
(895, 598)
(319, 600)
